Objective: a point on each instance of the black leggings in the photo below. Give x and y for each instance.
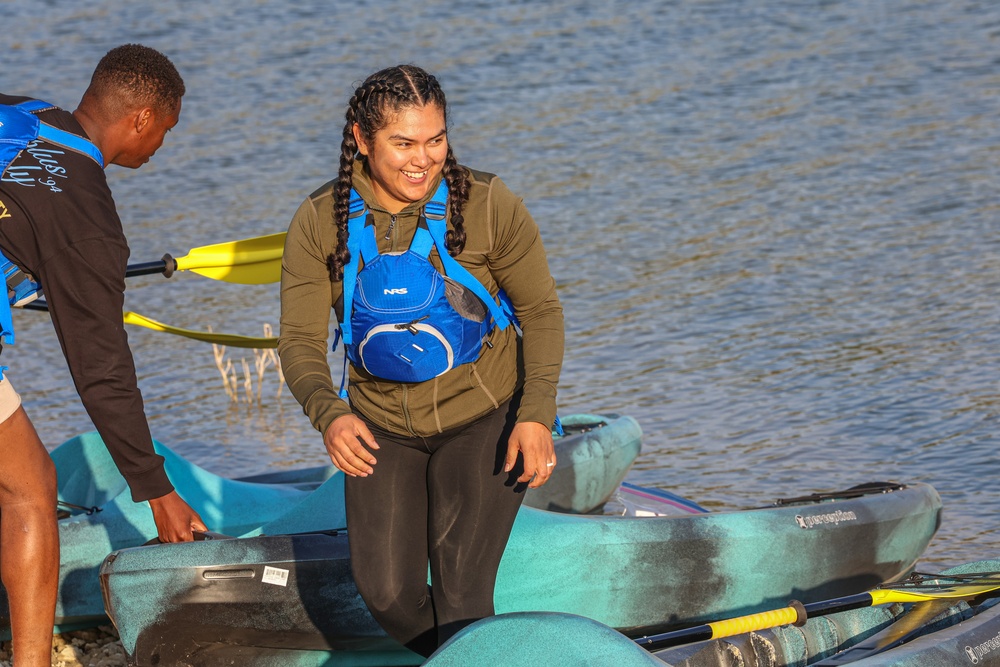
(443, 499)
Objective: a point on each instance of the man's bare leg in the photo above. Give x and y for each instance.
(29, 539)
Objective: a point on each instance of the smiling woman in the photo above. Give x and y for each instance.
(419, 260)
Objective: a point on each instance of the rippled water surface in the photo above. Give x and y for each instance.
(772, 224)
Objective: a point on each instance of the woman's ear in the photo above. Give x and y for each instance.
(359, 140)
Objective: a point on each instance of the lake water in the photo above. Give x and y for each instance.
(773, 224)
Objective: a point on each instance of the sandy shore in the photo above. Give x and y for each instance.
(85, 648)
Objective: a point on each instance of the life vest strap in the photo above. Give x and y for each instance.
(19, 126)
(422, 240)
(435, 216)
(6, 323)
(12, 277)
(70, 141)
(369, 244)
(355, 237)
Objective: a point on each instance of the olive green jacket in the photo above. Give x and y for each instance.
(503, 250)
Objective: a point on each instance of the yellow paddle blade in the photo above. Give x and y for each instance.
(946, 592)
(231, 340)
(253, 261)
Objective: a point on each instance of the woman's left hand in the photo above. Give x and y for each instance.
(534, 441)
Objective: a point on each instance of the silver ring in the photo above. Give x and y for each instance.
(550, 464)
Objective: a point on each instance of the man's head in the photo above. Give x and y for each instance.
(133, 100)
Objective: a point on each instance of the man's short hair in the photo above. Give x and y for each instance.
(133, 76)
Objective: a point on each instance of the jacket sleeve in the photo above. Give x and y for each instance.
(519, 265)
(306, 302)
(84, 286)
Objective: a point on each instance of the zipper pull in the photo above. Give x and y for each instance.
(411, 326)
(392, 223)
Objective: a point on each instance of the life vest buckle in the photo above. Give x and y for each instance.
(435, 210)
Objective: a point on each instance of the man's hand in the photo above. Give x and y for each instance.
(174, 518)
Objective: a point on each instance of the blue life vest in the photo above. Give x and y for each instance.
(19, 127)
(404, 320)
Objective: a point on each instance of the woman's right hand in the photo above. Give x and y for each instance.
(343, 440)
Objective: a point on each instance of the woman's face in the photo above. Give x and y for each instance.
(406, 155)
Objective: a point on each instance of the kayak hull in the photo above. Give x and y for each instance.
(593, 457)
(170, 603)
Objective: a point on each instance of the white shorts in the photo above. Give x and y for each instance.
(9, 400)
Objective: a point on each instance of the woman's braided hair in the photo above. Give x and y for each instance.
(373, 105)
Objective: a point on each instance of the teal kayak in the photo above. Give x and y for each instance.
(595, 452)
(955, 621)
(289, 599)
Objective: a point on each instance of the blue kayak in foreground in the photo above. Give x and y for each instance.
(98, 515)
(290, 600)
(949, 631)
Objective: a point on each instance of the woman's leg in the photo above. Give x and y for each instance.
(387, 533)
(473, 504)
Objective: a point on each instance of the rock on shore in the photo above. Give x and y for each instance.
(85, 648)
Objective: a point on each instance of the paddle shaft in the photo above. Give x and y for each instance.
(794, 613)
(166, 266)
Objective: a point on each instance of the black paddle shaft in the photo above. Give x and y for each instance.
(166, 266)
(704, 632)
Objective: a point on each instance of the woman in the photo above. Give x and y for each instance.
(458, 444)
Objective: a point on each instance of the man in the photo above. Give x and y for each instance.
(59, 225)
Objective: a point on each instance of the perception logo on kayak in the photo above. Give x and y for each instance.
(834, 518)
(977, 653)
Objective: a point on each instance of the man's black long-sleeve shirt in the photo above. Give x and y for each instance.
(58, 222)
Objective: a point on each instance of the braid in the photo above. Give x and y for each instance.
(336, 261)
(457, 180)
(371, 108)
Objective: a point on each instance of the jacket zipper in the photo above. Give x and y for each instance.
(392, 224)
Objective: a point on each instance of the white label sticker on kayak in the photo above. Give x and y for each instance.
(274, 575)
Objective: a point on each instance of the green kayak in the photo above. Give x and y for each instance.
(595, 453)
(290, 600)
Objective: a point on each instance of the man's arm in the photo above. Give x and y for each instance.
(84, 286)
